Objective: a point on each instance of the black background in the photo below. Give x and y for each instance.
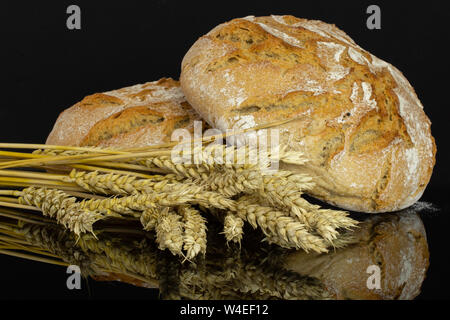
(45, 68)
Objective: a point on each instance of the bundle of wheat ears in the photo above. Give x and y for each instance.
(78, 186)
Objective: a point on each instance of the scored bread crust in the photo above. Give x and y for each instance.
(137, 116)
(357, 118)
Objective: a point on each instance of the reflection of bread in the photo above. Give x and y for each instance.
(395, 242)
(140, 115)
(359, 120)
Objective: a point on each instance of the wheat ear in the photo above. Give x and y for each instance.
(169, 232)
(117, 184)
(281, 229)
(149, 217)
(285, 192)
(180, 169)
(206, 159)
(146, 193)
(232, 181)
(282, 189)
(194, 237)
(64, 208)
(233, 227)
(61, 152)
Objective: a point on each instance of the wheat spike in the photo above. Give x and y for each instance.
(102, 183)
(284, 230)
(178, 194)
(169, 232)
(282, 189)
(58, 242)
(149, 217)
(233, 227)
(233, 277)
(232, 181)
(59, 152)
(180, 169)
(148, 194)
(205, 159)
(112, 206)
(194, 237)
(117, 184)
(64, 208)
(286, 193)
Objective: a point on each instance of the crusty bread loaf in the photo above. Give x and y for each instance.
(357, 118)
(396, 243)
(136, 116)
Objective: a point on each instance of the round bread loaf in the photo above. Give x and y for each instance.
(136, 116)
(396, 243)
(355, 117)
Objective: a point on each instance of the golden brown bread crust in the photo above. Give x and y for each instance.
(359, 121)
(136, 116)
(396, 243)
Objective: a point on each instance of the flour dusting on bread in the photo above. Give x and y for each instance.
(139, 115)
(358, 118)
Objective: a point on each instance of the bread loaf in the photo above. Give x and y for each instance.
(136, 116)
(355, 117)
